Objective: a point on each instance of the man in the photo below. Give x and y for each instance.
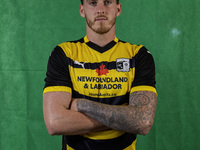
(99, 92)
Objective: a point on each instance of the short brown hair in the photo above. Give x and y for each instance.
(83, 0)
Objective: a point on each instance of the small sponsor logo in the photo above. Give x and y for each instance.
(81, 64)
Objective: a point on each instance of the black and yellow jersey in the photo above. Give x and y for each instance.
(102, 74)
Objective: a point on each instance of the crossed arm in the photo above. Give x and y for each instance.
(60, 120)
(137, 117)
(86, 116)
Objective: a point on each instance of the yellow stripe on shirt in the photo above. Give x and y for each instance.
(57, 89)
(143, 88)
(103, 135)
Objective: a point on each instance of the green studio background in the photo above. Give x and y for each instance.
(29, 30)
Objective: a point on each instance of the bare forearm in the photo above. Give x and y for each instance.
(73, 123)
(133, 118)
(60, 120)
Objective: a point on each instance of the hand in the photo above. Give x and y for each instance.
(97, 125)
(73, 105)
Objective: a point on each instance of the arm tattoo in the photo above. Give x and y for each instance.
(136, 118)
(139, 99)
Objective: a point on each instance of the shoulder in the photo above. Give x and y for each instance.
(142, 55)
(69, 43)
(64, 49)
(137, 49)
(69, 46)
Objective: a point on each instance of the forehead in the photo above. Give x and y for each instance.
(98, 0)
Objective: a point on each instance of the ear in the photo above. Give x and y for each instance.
(81, 10)
(119, 9)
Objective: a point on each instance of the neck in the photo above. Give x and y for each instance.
(101, 39)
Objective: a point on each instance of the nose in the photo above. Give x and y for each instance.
(100, 8)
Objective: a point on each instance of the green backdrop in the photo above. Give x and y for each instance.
(30, 29)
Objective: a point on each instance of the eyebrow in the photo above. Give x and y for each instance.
(91, 0)
(96, 0)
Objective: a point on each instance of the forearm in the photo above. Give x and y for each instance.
(74, 123)
(131, 118)
(69, 122)
(60, 120)
(121, 118)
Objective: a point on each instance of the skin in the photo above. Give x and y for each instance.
(60, 120)
(66, 116)
(137, 117)
(100, 18)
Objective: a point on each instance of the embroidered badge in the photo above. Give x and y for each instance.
(123, 65)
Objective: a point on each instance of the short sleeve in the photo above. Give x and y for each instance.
(57, 75)
(144, 72)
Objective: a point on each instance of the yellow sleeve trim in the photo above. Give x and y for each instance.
(103, 135)
(143, 88)
(57, 89)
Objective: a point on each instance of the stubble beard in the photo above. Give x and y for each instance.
(101, 28)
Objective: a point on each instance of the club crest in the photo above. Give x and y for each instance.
(123, 65)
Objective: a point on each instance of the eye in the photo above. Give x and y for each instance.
(107, 2)
(93, 3)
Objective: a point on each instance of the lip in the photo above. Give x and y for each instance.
(101, 19)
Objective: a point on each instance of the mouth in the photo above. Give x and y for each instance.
(101, 18)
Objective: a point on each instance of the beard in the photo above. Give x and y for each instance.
(100, 27)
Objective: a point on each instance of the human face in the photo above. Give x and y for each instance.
(100, 15)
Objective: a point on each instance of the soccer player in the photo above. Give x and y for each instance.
(99, 91)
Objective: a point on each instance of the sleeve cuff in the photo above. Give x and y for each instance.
(57, 89)
(144, 88)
